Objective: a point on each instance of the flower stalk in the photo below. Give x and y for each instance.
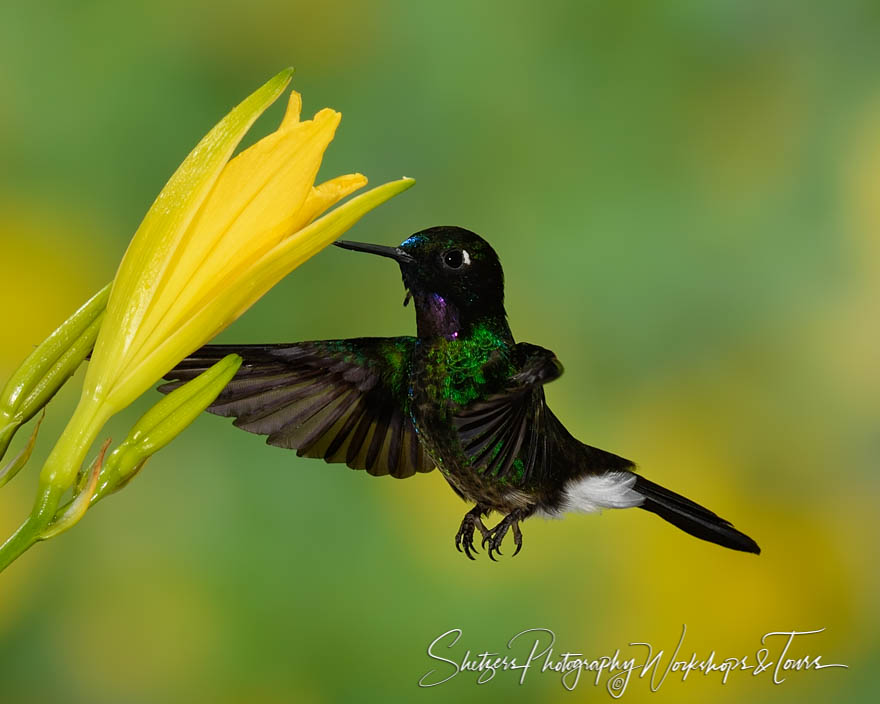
(156, 428)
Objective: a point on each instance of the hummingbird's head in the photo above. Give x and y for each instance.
(455, 264)
(452, 274)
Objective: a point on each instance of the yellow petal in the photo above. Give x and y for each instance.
(329, 194)
(322, 197)
(149, 254)
(305, 243)
(236, 295)
(256, 202)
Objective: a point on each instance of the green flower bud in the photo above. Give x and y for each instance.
(49, 366)
(156, 428)
(164, 422)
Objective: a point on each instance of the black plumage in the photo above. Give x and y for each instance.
(462, 396)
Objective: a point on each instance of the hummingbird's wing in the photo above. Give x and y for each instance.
(340, 400)
(503, 436)
(513, 436)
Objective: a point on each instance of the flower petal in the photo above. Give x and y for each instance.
(329, 194)
(256, 201)
(153, 246)
(234, 296)
(306, 243)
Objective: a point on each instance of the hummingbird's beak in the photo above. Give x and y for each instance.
(395, 253)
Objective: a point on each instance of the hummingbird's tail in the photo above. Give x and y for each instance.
(691, 517)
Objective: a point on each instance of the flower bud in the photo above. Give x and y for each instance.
(49, 366)
(164, 422)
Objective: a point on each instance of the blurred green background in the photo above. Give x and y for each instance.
(686, 199)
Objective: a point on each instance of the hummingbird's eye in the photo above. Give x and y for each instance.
(454, 258)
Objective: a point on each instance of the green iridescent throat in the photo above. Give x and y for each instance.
(463, 367)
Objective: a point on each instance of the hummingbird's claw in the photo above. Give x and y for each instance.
(493, 546)
(493, 538)
(465, 537)
(496, 536)
(517, 538)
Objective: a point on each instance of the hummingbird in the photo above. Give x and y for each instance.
(461, 396)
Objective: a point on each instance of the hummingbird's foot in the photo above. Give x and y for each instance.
(509, 522)
(465, 537)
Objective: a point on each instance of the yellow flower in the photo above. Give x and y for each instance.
(220, 234)
(217, 238)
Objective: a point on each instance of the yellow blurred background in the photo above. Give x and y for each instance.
(686, 200)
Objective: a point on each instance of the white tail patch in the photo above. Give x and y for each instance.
(593, 493)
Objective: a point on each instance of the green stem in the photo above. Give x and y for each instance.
(67, 456)
(27, 534)
(57, 476)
